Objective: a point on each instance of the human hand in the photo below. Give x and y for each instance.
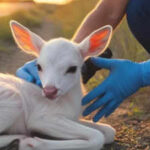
(125, 78)
(29, 73)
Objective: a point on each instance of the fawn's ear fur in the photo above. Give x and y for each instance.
(96, 42)
(25, 39)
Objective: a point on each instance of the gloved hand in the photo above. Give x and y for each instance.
(125, 78)
(29, 73)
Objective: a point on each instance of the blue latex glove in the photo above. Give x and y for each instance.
(125, 78)
(29, 73)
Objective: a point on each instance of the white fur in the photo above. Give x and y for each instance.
(23, 108)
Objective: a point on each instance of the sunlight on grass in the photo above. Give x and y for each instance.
(53, 1)
(70, 16)
(30, 18)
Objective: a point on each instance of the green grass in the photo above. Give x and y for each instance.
(69, 16)
(30, 18)
(3, 49)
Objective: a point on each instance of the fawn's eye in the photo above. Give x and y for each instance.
(71, 69)
(39, 67)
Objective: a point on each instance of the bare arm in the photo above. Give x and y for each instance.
(106, 12)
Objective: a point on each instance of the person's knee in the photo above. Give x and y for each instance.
(138, 17)
(134, 11)
(138, 12)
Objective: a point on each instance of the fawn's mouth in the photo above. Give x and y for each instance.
(51, 92)
(49, 96)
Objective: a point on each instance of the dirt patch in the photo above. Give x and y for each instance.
(133, 132)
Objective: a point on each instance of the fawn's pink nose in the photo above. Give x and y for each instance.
(50, 92)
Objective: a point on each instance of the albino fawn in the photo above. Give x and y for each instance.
(54, 110)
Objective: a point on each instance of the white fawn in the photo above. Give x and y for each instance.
(55, 109)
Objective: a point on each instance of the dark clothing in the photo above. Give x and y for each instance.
(88, 69)
(138, 16)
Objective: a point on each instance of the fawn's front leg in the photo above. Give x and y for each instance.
(108, 131)
(73, 135)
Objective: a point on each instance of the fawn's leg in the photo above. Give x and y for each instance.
(73, 135)
(108, 131)
(10, 109)
(10, 106)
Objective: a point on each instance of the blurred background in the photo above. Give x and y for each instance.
(55, 18)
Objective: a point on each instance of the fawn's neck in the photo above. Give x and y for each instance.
(71, 102)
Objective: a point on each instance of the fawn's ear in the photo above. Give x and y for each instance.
(96, 42)
(25, 39)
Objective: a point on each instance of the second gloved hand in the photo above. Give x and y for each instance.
(29, 73)
(125, 78)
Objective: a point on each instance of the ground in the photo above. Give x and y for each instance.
(133, 128)
(133, 132)
(131, 120)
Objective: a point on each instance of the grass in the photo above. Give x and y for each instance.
(30, 18)
(3, 49)
(70, 16)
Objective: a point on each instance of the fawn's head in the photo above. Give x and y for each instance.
(59, 61)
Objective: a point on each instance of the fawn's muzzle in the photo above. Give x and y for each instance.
(50, 92)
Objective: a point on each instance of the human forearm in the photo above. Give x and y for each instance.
(106, 12)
